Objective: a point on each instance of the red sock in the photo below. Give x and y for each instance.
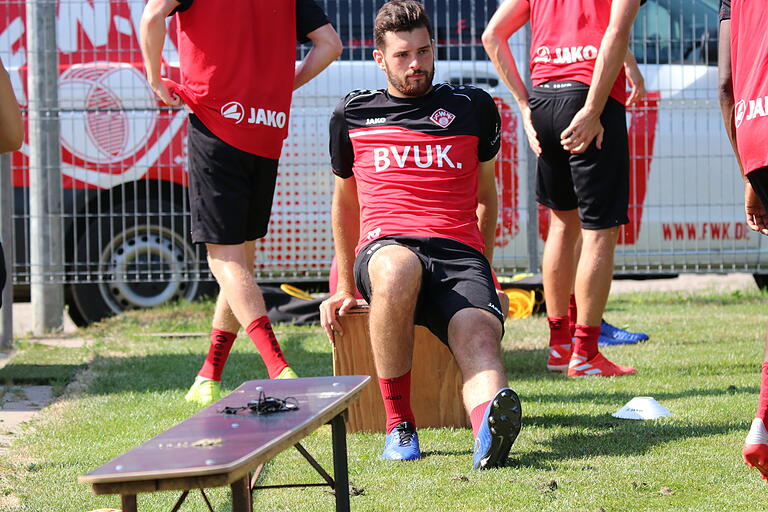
(572, 314)
(260, 332)
(559, 330)
(476, 417)
(586, 341)
(221, 344)
(762, 404)
(397, 400)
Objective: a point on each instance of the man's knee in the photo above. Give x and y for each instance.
(394, 270)
(565, 223)
(600, 237)
(475, 332)
(221, 257)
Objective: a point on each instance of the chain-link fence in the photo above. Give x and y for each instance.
(120, 216)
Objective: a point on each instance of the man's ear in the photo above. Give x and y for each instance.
(378, 56)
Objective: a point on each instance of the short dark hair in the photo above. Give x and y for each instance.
(400, 16)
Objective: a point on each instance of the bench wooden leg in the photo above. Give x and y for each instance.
(340, 468)
(241, 495)
(128, 502)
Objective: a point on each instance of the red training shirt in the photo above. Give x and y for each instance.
(565, 39)
(238, 66)
(749, 69)
(416, 160)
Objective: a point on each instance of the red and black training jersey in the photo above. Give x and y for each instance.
(238, 66)
(749, 69)
(565, 39)
(416, 160)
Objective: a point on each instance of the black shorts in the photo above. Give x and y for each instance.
(455, 276)
(596, 181)
(230, 190)
(759, 181)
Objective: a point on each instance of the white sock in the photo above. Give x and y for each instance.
(757, 433)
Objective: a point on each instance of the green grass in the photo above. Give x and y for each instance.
(702, 363)
(44, 365)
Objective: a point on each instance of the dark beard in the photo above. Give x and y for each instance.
(414, 90)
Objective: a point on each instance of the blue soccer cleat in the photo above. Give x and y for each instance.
(605, 341)
(402, 443)
(501, 425)
(620, 336)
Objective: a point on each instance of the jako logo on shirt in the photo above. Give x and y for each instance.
(235, 111)
(423, 157)
(757, 108)
(442, 118)
(542, 55)
(375, 120)
(566, 55)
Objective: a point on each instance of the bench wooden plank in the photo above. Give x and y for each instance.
(199, 451)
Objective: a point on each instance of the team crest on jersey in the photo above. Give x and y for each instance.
(442, 118)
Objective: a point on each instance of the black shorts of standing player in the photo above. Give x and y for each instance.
(759, 181)
(596, 181)
(455, 276)
(230, 190)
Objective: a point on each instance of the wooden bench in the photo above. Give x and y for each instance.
(213, 449)
(436, 380)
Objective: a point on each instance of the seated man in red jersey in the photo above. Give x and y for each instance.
(743, 63)
(576, 123)
(414, 163)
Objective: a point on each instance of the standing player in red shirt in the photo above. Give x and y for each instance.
(238, 73)
(575, 122)
(743, 66)
(414, 164)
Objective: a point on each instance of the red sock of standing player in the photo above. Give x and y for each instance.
(396, 393)
(559, 331)
(260, 332)
(585, 343)
(221, 344)
(572, 314)
(762, 403)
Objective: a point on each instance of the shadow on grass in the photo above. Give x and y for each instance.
(598, 436)
(176, 371)
(38, 374)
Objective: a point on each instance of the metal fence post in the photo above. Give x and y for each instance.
(530, 158)
(6, 235)
(46, 247)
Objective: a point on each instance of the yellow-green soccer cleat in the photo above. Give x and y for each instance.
(203, 391)
(287, 373)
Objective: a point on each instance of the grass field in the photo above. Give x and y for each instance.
(702, 363)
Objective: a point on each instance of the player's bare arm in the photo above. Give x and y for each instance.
(326, 48)
(754, 211)
(11, 127)
(487, 205)
(585, 126)
(151, 38)
(635, 78)
(345, 221)
(725, 87)
(507, 20)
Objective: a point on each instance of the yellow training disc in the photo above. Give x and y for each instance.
(295, 292)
